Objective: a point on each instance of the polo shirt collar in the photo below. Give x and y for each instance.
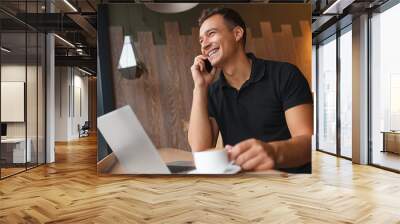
(257, 71)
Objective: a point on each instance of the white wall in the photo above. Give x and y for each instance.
(12, 73)
(61, 103)
(16, 73)
(79, 103)
(70, 83)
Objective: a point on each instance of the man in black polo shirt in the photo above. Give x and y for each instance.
(262, 108)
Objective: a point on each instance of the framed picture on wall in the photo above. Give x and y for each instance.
(12, 101)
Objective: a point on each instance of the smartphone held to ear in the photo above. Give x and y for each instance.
(208, 65)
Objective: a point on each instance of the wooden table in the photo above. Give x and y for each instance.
(391, 141)
(110, 165)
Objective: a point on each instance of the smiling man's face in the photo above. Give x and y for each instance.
(217, 40)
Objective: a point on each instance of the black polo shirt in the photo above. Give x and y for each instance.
(257, 110)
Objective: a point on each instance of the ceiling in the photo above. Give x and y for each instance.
(72, 20)
(20, 54)
(332, 15)
(76, 22)
(34, 6)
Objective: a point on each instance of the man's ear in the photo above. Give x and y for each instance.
(238, 32)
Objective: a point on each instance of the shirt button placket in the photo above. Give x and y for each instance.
(237, 93)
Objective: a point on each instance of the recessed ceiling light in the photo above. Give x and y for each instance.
(5, 50)
(65, 41)
(70, 5)
(84, 71)
(170, 7)
(337, 7)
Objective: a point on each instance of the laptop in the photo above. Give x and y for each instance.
(3, 131)
(131, 145)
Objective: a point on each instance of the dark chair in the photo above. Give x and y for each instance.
(84, 130)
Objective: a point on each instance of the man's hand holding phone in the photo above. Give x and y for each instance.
(201, 77)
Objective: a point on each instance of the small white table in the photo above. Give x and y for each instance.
(18, 149)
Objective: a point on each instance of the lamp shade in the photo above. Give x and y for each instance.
(128, 63)
(170, 7)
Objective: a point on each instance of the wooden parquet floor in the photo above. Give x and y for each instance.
(70, 191)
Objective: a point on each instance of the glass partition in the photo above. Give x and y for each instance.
(31, 100)
(346, 92)
(327, 95)
(41, 107)
(22, 92)
(385, 89)
(13, 109)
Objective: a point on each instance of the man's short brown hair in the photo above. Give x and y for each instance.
(231, 17)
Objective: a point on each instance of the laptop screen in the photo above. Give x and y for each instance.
(3, 129)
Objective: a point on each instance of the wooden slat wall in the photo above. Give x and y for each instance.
(162, 97)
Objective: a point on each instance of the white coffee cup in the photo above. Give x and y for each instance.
(212, 161)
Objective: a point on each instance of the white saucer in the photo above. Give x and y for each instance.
(231, 169)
